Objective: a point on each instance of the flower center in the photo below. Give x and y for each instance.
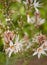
(39, 49)
(11, 47)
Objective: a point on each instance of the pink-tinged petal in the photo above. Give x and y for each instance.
(8, 35)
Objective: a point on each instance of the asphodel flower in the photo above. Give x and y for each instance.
(36, 5)
(10, 49)
(8, 35)
(39, 38)
(39, 52)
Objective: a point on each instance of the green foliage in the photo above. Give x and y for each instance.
(1, 45)
(2, 59)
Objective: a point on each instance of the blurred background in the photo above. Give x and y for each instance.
(15, 11)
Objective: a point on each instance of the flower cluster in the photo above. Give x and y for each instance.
(13, 42)
(42, 41)
(14, 47)
(36, 19)
(18, 45)
(39, 38)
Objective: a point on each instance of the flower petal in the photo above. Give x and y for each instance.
(34, 53)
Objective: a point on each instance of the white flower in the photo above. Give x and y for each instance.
(40, 21)
(19, 44)
(36, 5)
(33, 20)
(18, 47)
(14, 48)
(30, 20)
(10, 49)
(39, 51)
